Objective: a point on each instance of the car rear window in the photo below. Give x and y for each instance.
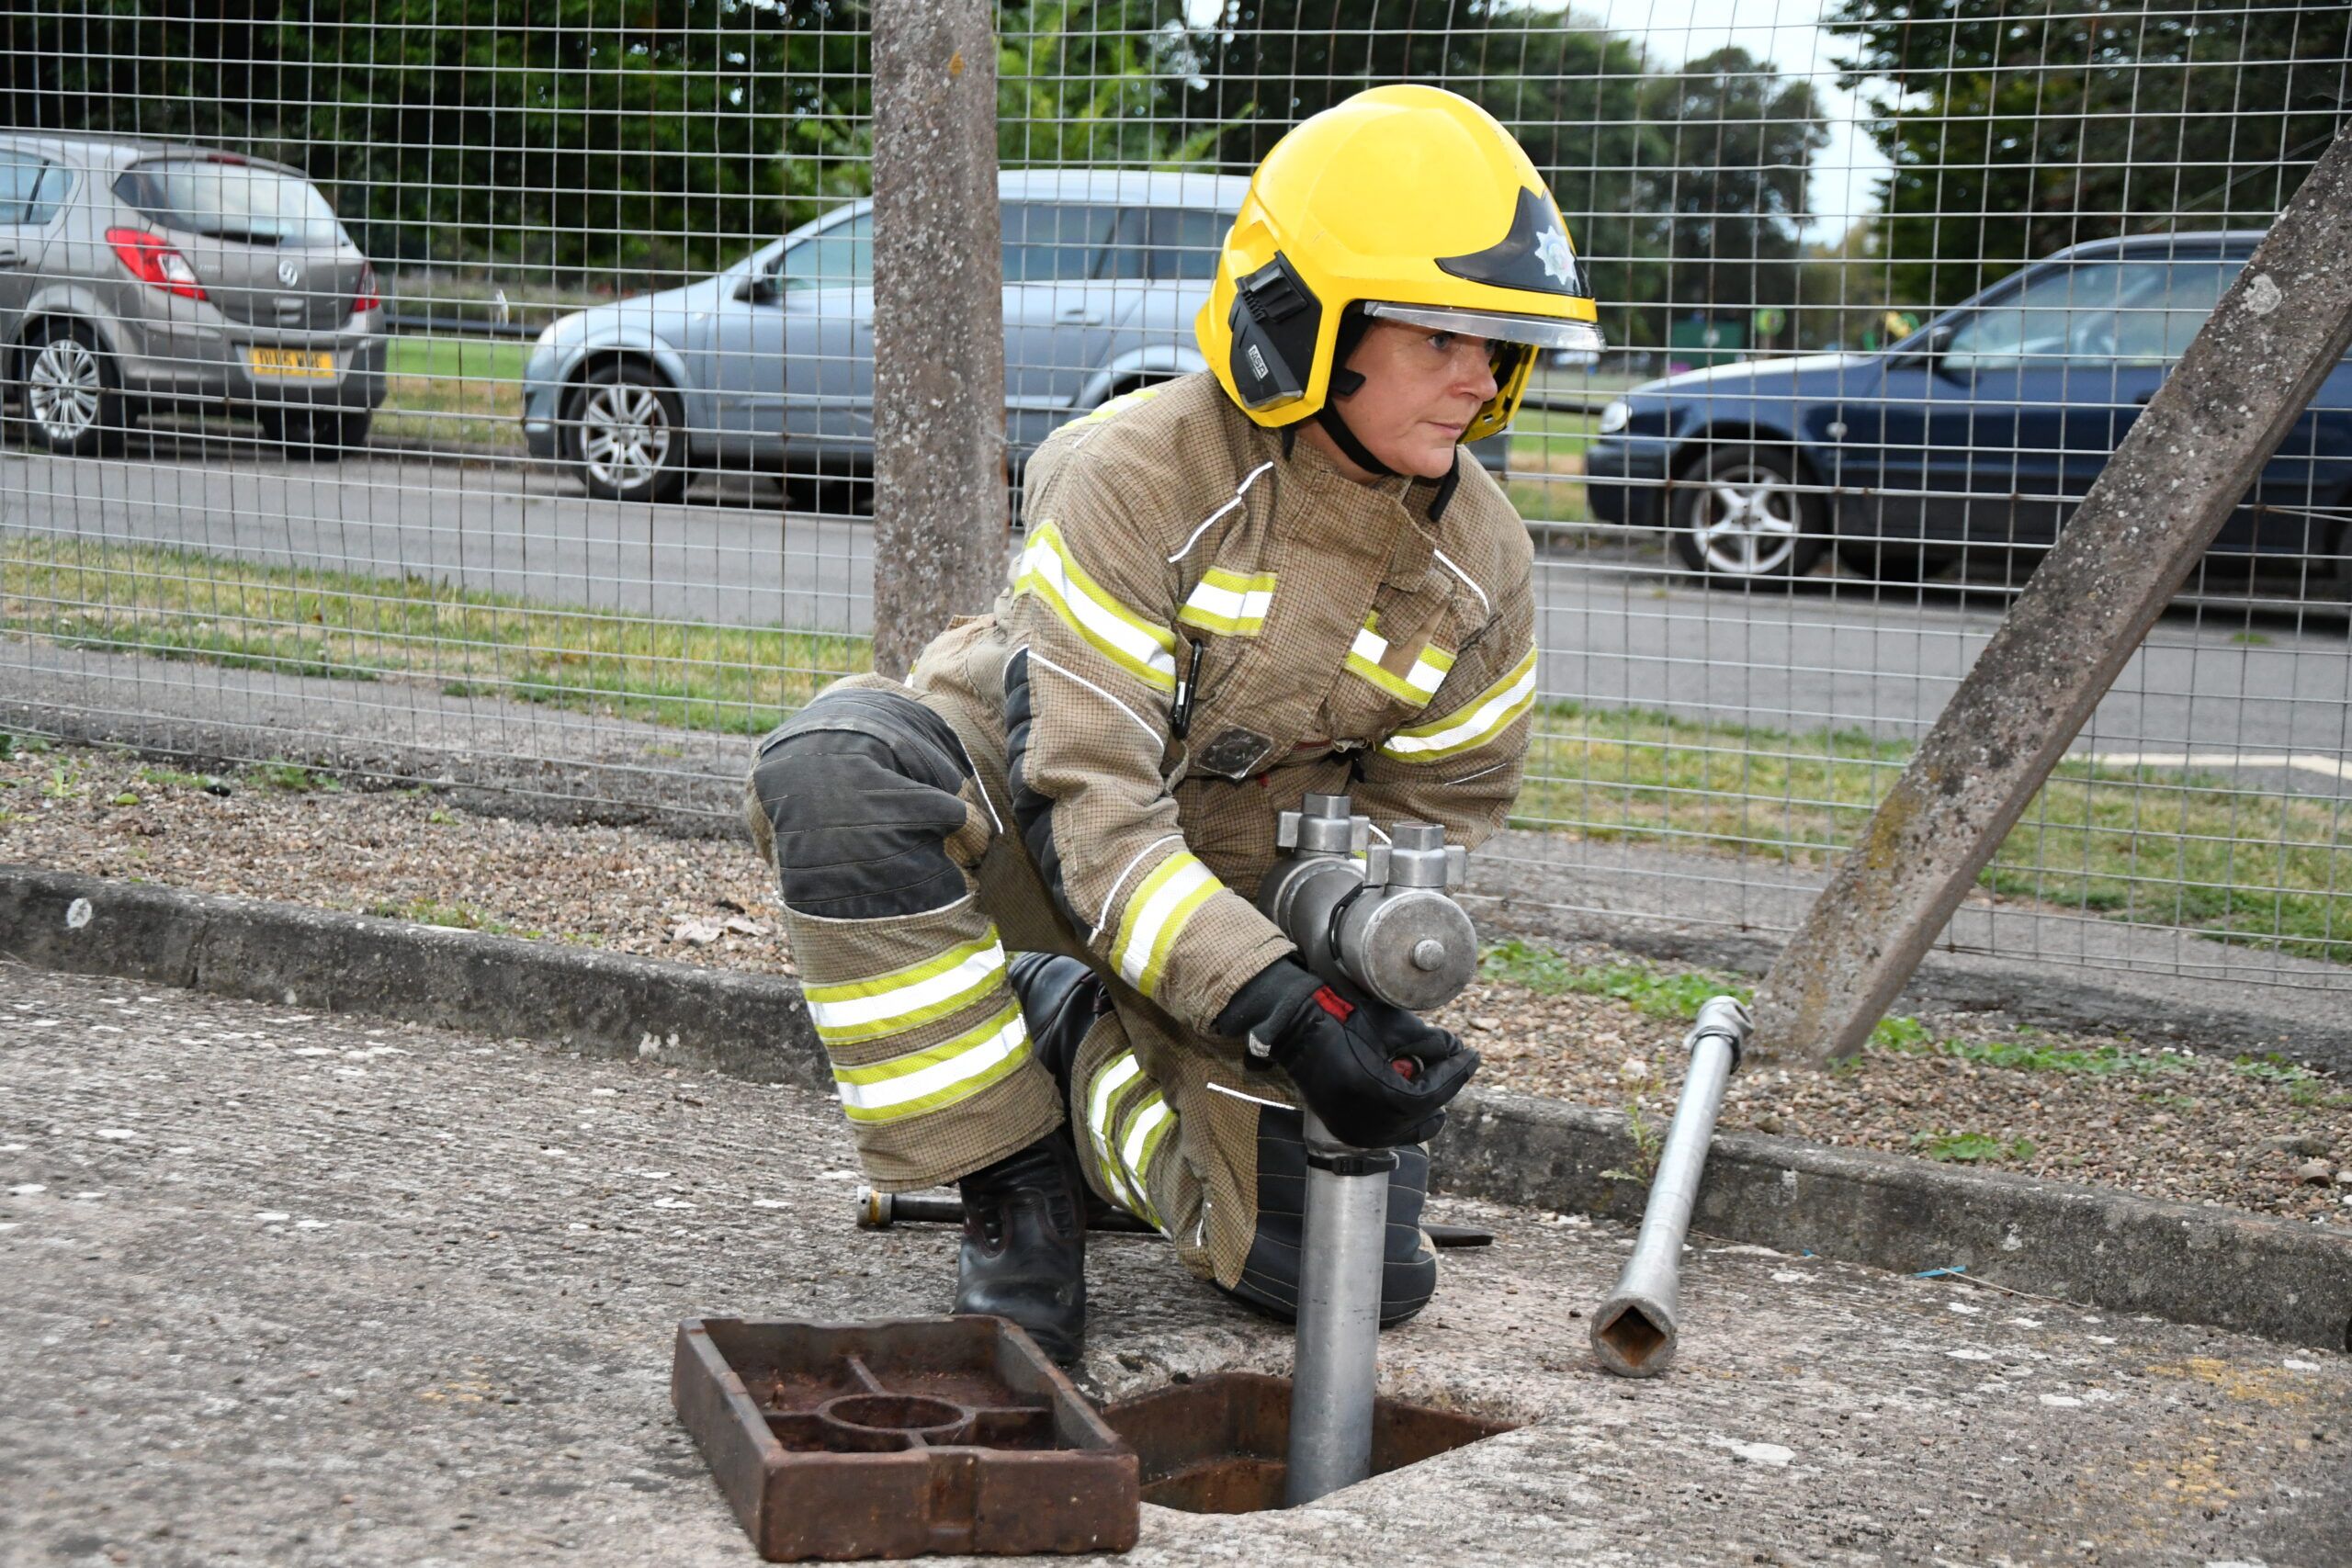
(230, 201)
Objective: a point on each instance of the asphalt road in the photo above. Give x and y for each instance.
(303, 1290)
(2265, 694)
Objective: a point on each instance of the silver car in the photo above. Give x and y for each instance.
(139, 276)
(770, 362)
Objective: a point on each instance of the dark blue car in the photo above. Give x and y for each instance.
(1978, 433)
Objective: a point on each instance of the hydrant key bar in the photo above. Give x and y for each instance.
(1633, 1331)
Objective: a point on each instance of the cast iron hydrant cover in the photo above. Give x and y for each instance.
(897, 1439)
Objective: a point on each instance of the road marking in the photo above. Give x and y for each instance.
(2311, 762)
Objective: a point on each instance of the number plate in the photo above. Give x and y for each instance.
(301, 364)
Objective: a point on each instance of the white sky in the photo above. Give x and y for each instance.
(1786, 32)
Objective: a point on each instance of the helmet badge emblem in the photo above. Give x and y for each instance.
(1559, 262)
(288, 274)
(1257, 361)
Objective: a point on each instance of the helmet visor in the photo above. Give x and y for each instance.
(1543, 332)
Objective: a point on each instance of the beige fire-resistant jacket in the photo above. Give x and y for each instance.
(1206, 623)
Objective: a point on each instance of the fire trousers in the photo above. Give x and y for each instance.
(948, 1051)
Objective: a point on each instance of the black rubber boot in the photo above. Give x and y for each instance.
(1024, 1245)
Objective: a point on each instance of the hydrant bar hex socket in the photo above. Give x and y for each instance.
(1633, 1331)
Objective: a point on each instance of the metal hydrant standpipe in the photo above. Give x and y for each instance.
(1634, 1330)
(1377, 915)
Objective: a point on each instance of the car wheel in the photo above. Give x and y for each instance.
(1740, 515)
(627, 431)
(326, 434)
(73, 403)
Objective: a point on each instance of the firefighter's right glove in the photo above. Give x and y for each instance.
(1378, 1075)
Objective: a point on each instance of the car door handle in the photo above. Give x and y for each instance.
(11, 257)
(1081, 315)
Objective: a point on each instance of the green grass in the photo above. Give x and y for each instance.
(2144, 844)
(454, 389)
(1546, 478)
(2029, 1057)
(1645, 991)
(178, 605)
(1969, 1147)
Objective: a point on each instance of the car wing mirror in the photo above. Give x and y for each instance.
(760, 288)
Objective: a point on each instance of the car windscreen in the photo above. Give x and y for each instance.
(230, 201)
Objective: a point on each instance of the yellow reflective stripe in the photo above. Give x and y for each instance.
(1116, 1076)
(1487, 716)
(1155, 915)
(1145, 1129)
(905, 998)
(1047, 570)
(1118, 405)
(1228, 603)
(946, 1073)
(1416, 686)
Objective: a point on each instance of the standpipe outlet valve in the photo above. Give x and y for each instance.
(1376, 915)
(1633, 1331)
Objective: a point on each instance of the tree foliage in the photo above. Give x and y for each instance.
(2019, 126)
(568, 134)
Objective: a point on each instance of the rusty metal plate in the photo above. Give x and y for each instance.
(897, 1439)
(1218, 1445)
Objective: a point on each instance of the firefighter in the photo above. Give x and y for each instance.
(1018, 886)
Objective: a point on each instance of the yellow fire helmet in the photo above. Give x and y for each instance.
(1415, 204)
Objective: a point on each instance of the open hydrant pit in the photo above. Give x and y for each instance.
(892, 1439)
(1217, 1444)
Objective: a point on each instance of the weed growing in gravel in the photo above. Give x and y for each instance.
(1969, 1147)
(2272, 1068)
(1659, 995)
(12, 743)
(425, 912)
(1645, 990)
(171, 778)
(2028, 1056)
(292, 777)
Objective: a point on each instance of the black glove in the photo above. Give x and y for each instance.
(1378, 1075)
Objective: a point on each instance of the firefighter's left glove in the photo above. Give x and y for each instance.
(1378, 1075)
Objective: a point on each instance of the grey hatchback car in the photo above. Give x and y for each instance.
(770, 362)
(139, 276)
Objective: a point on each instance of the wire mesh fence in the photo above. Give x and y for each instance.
(480, 392)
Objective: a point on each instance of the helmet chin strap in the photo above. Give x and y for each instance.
(1327, 416)
(1347, 383)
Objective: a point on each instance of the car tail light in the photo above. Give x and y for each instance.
(366, 298)
(153, 261)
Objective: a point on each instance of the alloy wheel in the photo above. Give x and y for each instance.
(625, 435)
(63, 388)
(1746, 520)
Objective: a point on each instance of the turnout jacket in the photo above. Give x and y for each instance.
(1206, 622)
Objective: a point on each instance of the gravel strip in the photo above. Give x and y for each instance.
(2163, 1118)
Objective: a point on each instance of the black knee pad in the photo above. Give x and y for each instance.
(860, 790)
(1270, 1274)
(1060, 998)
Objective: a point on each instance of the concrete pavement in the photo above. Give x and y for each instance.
(307, 1289)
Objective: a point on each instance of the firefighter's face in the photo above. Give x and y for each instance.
(1421, 389)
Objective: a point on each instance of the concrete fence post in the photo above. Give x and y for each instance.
(939, 479)
(2184, 466)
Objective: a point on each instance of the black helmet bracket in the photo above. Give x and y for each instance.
(1274, 322)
